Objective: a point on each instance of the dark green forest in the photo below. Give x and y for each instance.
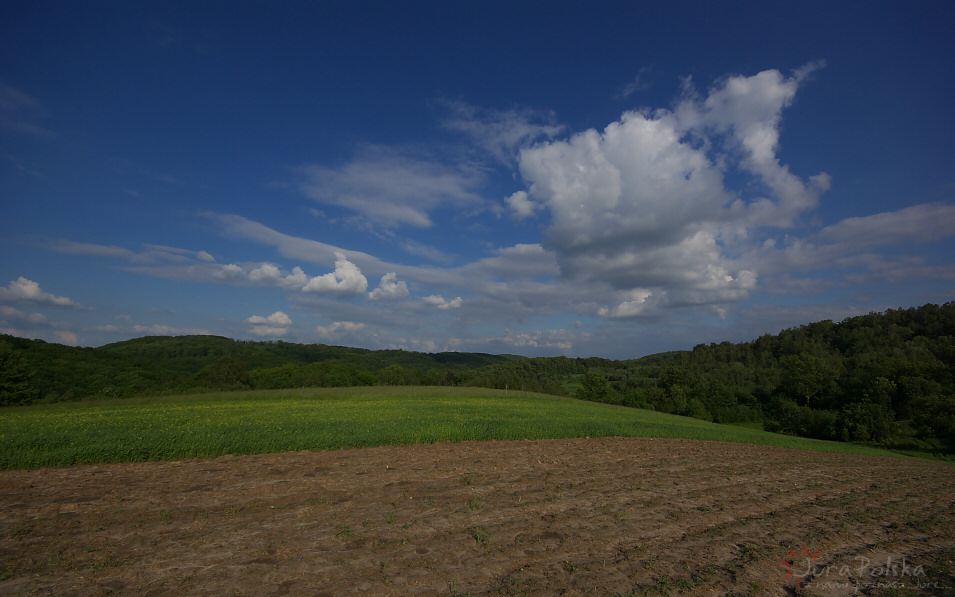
(884, 378)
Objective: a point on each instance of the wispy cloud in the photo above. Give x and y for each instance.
(20, 113)
(338, 328)
(502, 134)
(151, 254)
(390, 187)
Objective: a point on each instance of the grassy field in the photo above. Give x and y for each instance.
(206, 425)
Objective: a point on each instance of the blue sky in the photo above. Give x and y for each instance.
(540, 178)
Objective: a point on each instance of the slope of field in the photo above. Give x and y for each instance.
(604, 516)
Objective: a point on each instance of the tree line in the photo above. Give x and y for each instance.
(883, 378)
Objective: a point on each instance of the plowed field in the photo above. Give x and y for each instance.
(609, 516)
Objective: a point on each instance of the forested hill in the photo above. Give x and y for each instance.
(34, 370)
(885, 378)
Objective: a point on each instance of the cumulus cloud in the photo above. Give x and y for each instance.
(391, 188)
(23, 290)
(346, 280)
(390, 288)
(749, 110)
(270, 275)
(275, 324)
(642, 205)
(436, 300)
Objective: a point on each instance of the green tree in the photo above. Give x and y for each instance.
(15, 378)
(594, 387)
(808, 377)
(224, 373)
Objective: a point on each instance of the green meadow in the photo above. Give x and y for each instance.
(253, 422)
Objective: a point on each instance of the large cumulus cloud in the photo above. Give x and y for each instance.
(642, 206)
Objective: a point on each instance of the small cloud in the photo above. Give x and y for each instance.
(339, 327)
(631, 308)
(23, 290)
(270, 275)
(390, 288)
(275, 324)
(9, 313)
(436, 300)
(638, 83)
(346, 280)
(166, 330)
(277, 318)
(548, 340)
(521, 206)
(66, 338)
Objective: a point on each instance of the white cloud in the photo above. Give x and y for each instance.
(271, 275)
(924, 222)
(521, 206)
(346, 280)
(391, 188)
(548, 341)
(339, 327)
(167, 330)
(275, 324)
(749, 110)
(642, 205)
(154, 254)
(66, 337)
(501, 133)
(638, 83)
(436, 300)
(23, 290)
(390, 288)
(636, 305)
(11, 314)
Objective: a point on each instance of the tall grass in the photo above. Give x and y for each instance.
(322, 419)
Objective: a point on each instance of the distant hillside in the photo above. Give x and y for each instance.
(882, 378)
(34, 370)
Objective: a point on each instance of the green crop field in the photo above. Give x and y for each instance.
(164, 428)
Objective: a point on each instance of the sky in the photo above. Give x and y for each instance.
(600, 178)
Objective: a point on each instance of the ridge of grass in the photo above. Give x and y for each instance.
(265, 421)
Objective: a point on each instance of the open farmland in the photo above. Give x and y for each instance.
(585, 515)
(331, 418)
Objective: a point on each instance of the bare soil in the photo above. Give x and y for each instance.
(608, 516)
